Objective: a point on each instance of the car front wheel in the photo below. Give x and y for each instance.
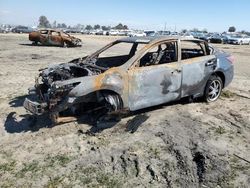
(213, 89)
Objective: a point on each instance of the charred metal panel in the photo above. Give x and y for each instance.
(153, 85)
(195, 74)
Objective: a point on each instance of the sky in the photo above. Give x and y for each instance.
(213, 15)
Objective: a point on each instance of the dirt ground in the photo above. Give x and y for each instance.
(174, 145)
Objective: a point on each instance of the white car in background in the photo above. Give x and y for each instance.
(137, 34)
(113, 32)
(187, 35)
(238, 39)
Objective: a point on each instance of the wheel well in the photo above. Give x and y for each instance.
(106, 91)
(221, 75)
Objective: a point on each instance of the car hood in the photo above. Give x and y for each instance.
(80, 67)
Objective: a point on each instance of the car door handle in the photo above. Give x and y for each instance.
(176, 70)
(211, 62)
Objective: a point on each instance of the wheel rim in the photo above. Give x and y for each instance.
(214, 90)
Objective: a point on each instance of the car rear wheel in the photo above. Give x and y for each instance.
(213, 89)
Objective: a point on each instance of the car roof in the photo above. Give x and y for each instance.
(147, 40)
(46, 29)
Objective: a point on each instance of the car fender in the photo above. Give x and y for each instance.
(112, 80)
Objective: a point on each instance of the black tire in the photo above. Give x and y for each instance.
(213, 89)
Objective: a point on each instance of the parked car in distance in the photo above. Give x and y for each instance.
(187, 35)
(137, 34)
(2, 30)
(163, 33)
(131, 74)
(215, 39)
(201, 36)
(22, 29)
(238, 39)
(72, 30)
(113, 32)
(150, 33)
(225, 39)
(51, 37)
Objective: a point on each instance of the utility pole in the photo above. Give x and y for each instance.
(165, 27)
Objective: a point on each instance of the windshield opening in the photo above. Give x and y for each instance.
(117, 54)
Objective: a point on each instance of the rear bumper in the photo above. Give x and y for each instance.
(35, 107)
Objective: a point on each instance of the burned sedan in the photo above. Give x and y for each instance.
(133, 73)
(50, 37)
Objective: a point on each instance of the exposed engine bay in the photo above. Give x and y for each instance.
(73, 69)
(46, 91)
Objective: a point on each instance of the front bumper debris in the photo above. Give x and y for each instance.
(34, 107)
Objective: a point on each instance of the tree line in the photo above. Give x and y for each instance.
(44, 23)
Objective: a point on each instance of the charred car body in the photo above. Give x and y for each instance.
(140, 73)
(50, 37)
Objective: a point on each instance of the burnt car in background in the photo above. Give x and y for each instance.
(131, 74)
(50, 37)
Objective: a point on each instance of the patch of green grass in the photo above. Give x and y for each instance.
(6, 154)
(94, 177)
(86, 180)
(62, 160)
(227, 180)
(107, 180)
(7, 184)
(236, 165)
(227, 94)
(89, 170)
(8, 167)
(55, 182)
(220, 130)
(32, 167)
(102, 142)
(154, 151)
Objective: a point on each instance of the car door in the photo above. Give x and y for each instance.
(55, 38)
(44, 36)
(197, 66)
(155, 79)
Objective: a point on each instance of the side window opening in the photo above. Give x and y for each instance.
(44, 32)
(160, 54)
(64, 34)
(190, 49)
(54, 33)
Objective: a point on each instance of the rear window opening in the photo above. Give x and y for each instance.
(190, 49)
